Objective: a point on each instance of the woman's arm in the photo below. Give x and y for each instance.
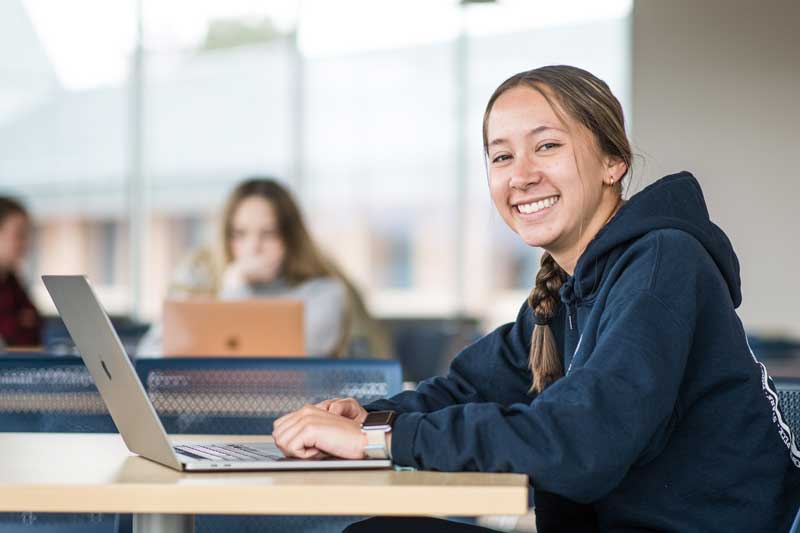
(492, 369)
(617, 404)
(577, 439)
(583, 433)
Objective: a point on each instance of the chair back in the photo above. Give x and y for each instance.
(789, 402)
(426, 346)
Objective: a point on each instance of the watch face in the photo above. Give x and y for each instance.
(379, 418)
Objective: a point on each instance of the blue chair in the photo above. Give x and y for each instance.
(789, 401)
(57, 341)
(426, 346)
(191, 395)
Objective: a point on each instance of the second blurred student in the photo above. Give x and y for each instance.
(265, 250)
(20, 323)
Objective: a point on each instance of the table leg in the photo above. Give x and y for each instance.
(163, 523)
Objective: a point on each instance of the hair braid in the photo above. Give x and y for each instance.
(545, 361)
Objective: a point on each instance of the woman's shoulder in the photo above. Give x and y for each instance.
(679, 249)
(327, 285)
(667, 261)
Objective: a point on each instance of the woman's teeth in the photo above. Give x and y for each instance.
(533, 207)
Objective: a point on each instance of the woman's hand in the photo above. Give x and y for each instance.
(312, 432)
(346, 407)
(251, 269)
(261, 268)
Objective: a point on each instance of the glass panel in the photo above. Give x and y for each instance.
(369, 110)
(218, 96)
(64, 134)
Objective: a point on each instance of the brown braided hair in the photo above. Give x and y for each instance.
(545, 363)
(589, 101)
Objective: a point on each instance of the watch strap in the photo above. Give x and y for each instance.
(376, 445)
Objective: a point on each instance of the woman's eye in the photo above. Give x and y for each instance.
(500, 158)
(547, 146)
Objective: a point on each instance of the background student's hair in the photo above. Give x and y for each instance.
(13, 245)
(589, 101)
(10, 206)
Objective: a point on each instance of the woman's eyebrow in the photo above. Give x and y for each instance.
(531, 133)
(543, 128)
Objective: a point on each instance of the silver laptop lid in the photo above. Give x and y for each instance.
(102, 352)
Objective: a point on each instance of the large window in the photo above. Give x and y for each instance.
(64, 134)
(125, 142)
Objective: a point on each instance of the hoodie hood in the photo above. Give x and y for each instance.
(673, 202)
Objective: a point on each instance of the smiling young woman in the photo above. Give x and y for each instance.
(549, 182)
(625, 389)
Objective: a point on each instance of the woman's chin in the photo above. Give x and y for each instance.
(536, 240)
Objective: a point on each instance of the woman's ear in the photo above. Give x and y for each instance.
(615, 169)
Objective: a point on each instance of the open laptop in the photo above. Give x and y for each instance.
(207, 327)
(131, 410)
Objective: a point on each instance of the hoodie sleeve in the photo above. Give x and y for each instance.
(582, 434)
(492, 369)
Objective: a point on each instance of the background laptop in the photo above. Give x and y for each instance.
(207, 327)
(130, 408)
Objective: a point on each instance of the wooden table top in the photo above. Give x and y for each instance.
(61, 472)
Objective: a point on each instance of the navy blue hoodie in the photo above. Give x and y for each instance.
(664, 421)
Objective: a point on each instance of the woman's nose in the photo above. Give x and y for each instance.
(524, 173)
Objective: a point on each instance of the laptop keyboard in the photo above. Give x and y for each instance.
(230, 452)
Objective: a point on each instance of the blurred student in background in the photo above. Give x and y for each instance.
(20, 323)
(266, 251)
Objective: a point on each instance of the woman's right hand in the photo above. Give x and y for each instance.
(260, 267)
(250, 269)
(346, 407)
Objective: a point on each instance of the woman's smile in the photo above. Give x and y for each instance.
(535, 209)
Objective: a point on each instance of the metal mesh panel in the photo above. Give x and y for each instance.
(789, 401)
(56, 395)
(61, 521)
(193, 399)
(214, 396)
(273, 524)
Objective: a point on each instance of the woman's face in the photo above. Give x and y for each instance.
(13, 240)
(547, 177)
(254, 231)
